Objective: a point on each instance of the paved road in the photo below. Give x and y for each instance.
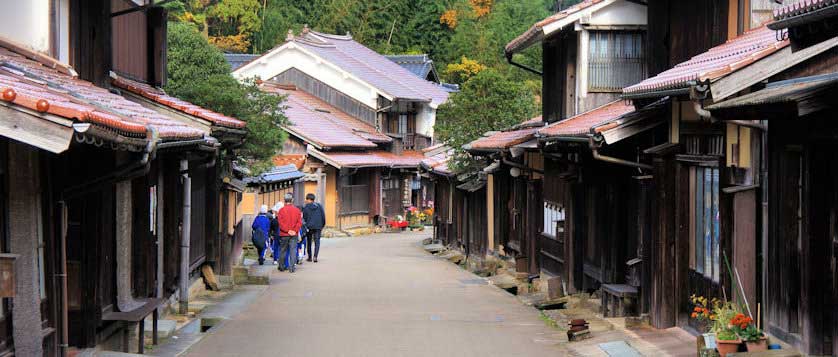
(381, 295)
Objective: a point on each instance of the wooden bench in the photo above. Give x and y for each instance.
(618, 300)
(137, 317)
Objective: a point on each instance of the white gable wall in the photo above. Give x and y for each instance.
(620, 13)
(27, 22)
(292, 55)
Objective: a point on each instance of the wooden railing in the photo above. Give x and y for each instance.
(410, 141)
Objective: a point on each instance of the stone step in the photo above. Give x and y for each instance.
(434, 248)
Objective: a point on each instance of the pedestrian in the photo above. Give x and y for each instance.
(261, 227)
(315, 221)
(290, 221)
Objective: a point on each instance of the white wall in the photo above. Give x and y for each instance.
(292, 55)
(425, 119)
(619, 13)
(26, 22)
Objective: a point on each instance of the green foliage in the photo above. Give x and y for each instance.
(488, 101)
(199, 74)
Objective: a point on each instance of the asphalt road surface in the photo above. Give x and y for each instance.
(381, 295)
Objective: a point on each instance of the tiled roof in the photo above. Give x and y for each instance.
(420, 65)
(371, 67)
(237, 60)
(323, 125)
(717, 62)
(802, 7)
(438, 162)
(297, 160)
(506, 139)
(277, 174)
(159, 96)
(28, 83)
(583, 124)
(407, 159)
(530, 36)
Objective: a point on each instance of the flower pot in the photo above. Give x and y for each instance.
(758, 345)
(728, 346)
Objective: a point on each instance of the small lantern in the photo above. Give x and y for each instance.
(7, 275)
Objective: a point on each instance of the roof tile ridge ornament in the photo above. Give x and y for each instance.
(312, 38)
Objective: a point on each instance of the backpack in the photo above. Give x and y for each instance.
(259, 238)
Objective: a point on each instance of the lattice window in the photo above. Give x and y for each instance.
(616, 59)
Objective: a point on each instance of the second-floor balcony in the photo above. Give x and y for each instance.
(409, 141)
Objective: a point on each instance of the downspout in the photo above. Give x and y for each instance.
(126, 172)
(521, 66)
(614, 160)
(185, 237)
(706, 114)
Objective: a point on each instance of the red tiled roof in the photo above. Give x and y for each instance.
(506, 139)
(802, 7)
(373, 158)
(31, 84)
(371, 67)
(583, 124)
(297, 160)
(717, 62)
(438, 163)
(526, 38)
(323, 125)
(159, 96)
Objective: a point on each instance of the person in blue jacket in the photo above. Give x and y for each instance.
(261, 228)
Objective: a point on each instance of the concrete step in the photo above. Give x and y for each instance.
(165, 328)
(251, 273)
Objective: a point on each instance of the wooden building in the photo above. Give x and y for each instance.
(384, 112)
(708, 178)
(514, 179)
(359, 180)
(94, 179)
(796, 109)
(461, 210)
(589, 230)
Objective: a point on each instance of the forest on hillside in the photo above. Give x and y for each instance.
(465, 38)
(461, 36)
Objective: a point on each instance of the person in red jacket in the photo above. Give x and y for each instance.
(290, 221)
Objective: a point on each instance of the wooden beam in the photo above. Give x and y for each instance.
(765, 68)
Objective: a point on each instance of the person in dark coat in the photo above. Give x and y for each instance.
(315, 219)
(274, 235)
(261, 227)
(290, 221)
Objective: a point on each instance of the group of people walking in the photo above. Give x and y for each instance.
(289, 232)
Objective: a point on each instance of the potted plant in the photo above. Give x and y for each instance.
(754, 338)
(717, 316)
(727, 341)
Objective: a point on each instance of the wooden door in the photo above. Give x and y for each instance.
(391, 196)
(517, 206)
(534, 222)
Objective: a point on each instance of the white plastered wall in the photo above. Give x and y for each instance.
(425, 119)
(26, 22)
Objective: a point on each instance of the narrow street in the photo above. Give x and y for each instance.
(381, 295)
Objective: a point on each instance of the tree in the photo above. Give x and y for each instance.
(488, 101)
(199, 74)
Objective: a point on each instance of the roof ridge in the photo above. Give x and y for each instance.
(408, 87)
